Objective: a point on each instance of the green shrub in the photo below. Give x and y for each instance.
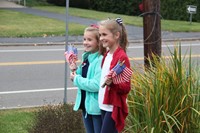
(58, 119)
(79, 3)
(31, 3)
(177, 10)
(165, 98)
(127, 7)
(57, 2)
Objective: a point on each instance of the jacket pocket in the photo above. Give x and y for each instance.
(94, 106)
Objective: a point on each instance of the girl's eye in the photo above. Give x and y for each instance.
(103, 34)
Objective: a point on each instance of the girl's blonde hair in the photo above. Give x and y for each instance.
(95, 30)
(116, 25)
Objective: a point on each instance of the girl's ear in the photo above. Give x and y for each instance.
(117, 35)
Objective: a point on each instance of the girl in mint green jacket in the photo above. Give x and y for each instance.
(87, 79)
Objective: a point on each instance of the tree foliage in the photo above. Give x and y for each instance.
(170, 9)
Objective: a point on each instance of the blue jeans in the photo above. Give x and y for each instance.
(92, 123)
(108, 124)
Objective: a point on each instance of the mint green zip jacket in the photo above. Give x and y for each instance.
(89, 84)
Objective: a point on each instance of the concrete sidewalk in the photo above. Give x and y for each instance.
(135, 34)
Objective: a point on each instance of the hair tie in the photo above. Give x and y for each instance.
(94, 25)
(119, 21)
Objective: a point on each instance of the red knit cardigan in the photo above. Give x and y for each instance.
(116, 94)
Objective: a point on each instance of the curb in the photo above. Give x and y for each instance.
(79, 43)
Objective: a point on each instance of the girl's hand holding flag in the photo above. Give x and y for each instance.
(71, 56)
(120, 73)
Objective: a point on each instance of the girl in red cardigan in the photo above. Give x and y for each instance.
(112, 97)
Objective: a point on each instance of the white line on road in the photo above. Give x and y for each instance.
(131, 47)
(166, 46)
(35, 50)
(40, 90)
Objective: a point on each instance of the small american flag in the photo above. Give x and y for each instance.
(120, 73)
(71, 54)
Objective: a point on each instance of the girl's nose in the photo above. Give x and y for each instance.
(100, 38)
(84, 42)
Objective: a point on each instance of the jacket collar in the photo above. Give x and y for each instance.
(90, 56)
(115, 54)
(116, 51)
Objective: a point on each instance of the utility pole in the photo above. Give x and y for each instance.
(151, 29)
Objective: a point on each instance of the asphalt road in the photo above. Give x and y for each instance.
(35, 75)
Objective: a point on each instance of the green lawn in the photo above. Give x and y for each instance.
(16, 120)
(12, 24)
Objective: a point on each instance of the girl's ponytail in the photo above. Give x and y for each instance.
(124, 38)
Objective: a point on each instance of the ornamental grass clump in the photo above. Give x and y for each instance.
(165, 97)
